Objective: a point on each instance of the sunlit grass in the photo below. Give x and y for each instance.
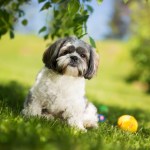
(21, 60)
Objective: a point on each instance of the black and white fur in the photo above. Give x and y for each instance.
(59, 90)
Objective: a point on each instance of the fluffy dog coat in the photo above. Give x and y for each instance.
(57, 94)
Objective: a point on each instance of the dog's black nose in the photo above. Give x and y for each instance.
(74, 58)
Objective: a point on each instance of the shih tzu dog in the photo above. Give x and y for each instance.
(59, 90)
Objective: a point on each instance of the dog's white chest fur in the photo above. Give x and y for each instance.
(60, 95)
(53, 88)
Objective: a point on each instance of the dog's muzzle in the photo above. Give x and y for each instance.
(74, 61)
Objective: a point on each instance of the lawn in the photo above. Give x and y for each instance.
(20, 61)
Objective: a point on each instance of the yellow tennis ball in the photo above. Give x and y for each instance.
(128, 123)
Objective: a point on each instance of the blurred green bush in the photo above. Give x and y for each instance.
(140, 53)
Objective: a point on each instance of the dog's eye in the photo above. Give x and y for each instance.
(83, 55)
(66, 52)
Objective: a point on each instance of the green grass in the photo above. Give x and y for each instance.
(20, 60)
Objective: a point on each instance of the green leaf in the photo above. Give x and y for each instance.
(89, 8)
(14, 5)
(99, 1)
(42, 29)
(45, 6)
(125, 1)
(46, 37)
(24, 22)
(78, 31)
(3, 31)
(92, 42)
(73, 6)
(82, 8)
(21, 13)
(11, 34)
(55, 1)
(56, 12)
(40, 1)
(80, 19)
(82, 35)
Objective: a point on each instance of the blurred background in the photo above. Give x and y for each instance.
(122, 35)
(123, 26)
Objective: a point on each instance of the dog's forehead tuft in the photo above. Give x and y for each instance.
(67, 44)
(77, 43)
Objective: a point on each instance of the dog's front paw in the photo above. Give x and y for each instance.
(90, 124)
(90, 117)
(76, 124)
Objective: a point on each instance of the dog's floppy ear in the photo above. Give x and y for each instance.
(93, 64)
(50, 55)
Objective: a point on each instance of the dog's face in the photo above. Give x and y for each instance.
(73, 57)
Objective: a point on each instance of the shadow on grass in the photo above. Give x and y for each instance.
(115, 112)
(12, 95)
(54, 135)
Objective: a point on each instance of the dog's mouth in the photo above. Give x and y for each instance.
(69, 66)
(73, 64)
